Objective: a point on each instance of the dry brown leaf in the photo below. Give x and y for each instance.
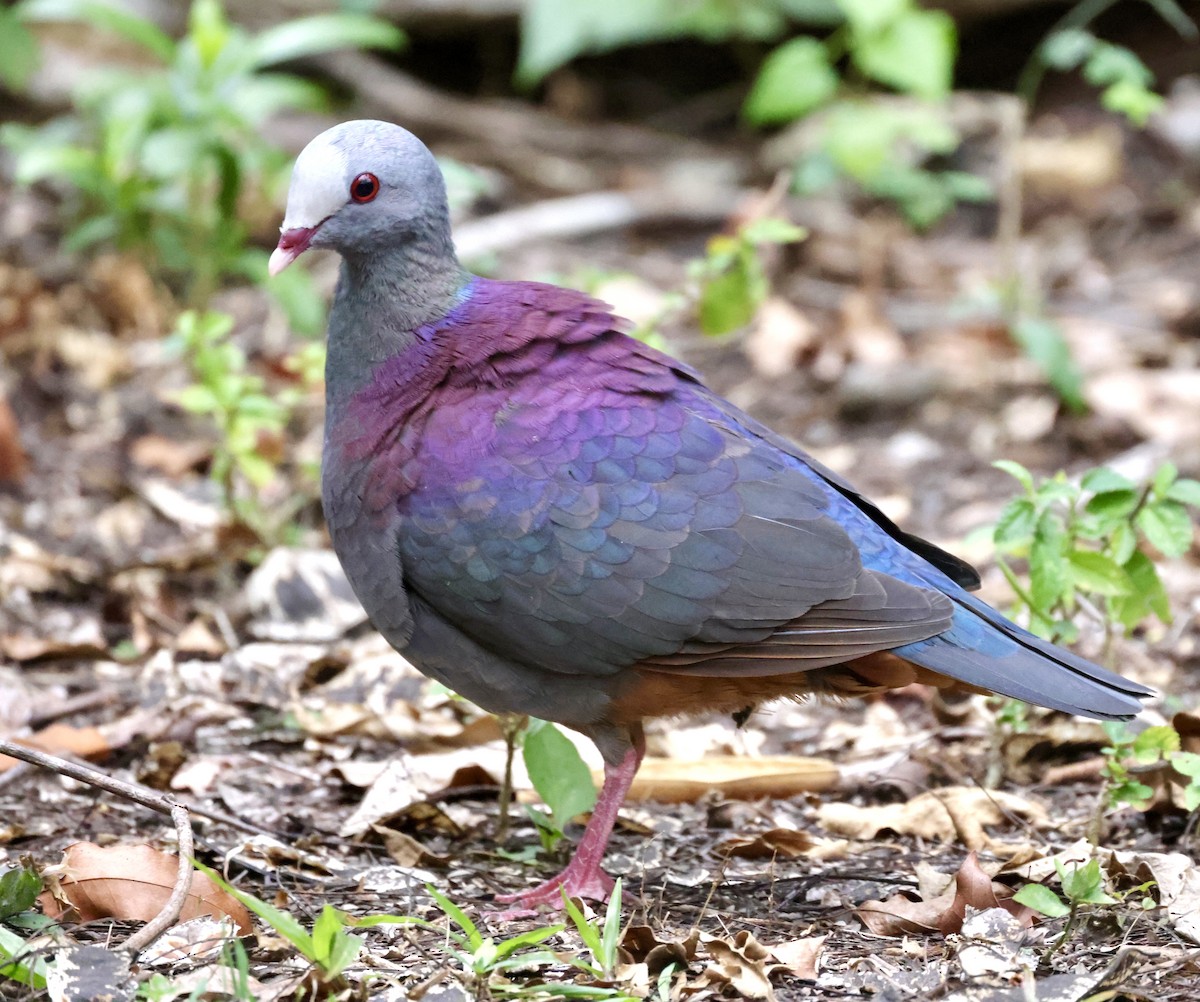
(742, 963)
(785, 842)
(131, 882)
(672, 781)
(779, 336)
(406, 850)
(168, 455)
(801, 956)
(58, 738)
(945, 913)
(13, 464)
(943, 815)
(644, 947)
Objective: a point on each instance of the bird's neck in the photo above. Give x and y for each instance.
(381, 303)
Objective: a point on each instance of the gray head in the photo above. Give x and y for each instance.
(361, 188)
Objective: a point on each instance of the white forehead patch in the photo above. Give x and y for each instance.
(319, 181)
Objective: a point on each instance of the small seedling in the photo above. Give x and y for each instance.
(246, 415)
(602, 941)
(1095, 541)
(329, 947)
(169, 159)
(561, 778)
(731, 277)
(1084, 887)
(19, 889)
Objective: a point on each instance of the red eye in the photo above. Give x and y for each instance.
(364, 187)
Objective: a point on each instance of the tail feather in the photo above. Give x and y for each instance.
(983, 648)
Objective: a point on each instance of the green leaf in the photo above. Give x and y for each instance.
(728, 301)
(557, 772)
(19, 889)
(1155, 743)
(334, 948)
(1166, 474)
(1014, 527)
(138, 30)
(308, 36)
(914, 54)
(19, 55)
(1016, 470)
(19, 962)
(1167, 526)
(1067, 48)
(1185, 492)
(1111, 64)
(279, 920)
(198, 399)
(793, 80)
(771, 230)
(1112, 506)
(1098, 574)
(1147, 587)
(1102, 480)
(1049, 573)
(870, 16)
(1131, 99)
(1042, 900)
(1188, 764)
(553, 32)
(1042, 341)
(1084, 884)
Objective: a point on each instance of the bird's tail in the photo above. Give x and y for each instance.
(983, 648)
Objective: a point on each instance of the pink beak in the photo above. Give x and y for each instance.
(292, 243)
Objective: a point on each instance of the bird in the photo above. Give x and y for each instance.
(553, 518)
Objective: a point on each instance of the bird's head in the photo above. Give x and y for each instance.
(359, 187)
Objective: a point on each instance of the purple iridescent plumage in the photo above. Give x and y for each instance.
(552, 518)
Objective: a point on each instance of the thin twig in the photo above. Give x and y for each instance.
(170, 912)
(132, 791)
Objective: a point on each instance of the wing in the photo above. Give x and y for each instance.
(584, 530)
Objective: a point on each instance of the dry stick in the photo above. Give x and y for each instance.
(94, 777)
(171, 911)
(580, 215)
(169, 914)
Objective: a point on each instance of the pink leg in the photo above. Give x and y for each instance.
(583, 877)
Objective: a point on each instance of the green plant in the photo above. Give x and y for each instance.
(328, 946)
(19, 889)
(555, 31)
(881, 145)
(560, 777)
(1042, 340)
(166, 161)
(246, 415)
(603, 941)
(1154, 746)
(1093, 541)
(1082, 886)
(1125, 81)
(731, 278)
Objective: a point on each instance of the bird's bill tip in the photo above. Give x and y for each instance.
(280, 259)
(292, 243)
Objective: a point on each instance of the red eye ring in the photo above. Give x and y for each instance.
(364, 188)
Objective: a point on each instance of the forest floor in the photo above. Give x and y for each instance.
(138, 629)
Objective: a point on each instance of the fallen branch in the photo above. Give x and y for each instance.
(581, 215)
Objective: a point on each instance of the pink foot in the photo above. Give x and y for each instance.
(579, 881)
(583, 877)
